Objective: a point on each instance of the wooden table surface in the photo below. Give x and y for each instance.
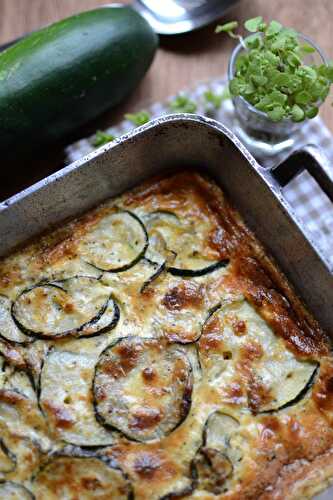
(180, 62)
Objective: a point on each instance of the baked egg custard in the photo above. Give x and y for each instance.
(151, 349)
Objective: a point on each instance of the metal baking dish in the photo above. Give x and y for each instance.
(180, 141)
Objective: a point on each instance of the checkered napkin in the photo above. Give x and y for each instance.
(310, 204)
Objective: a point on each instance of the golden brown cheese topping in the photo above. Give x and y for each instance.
(152, 350)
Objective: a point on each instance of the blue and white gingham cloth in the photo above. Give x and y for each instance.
(310, 204)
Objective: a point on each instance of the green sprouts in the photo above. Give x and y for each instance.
(182, 104)
(139, 118)
(271, 73)
(102, 138)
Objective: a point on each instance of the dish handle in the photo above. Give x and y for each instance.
(309, 158)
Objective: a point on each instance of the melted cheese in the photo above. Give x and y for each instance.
(238, 347)
(14, 491)
(71, 306)
(68, 406)
(64, 477)
(8, 328)
(143, 387)
(178, 241)
(114, 242)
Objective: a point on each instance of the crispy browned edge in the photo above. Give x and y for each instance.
(303, 480)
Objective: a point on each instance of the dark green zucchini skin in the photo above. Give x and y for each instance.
(301, 395)
(66, 74)
(190, 273)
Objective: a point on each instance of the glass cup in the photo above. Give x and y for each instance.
(263, 137)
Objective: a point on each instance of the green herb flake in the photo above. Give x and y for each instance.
(297, 113)
(253, 25)
(326, 71)
(307, 49)
(274, 27)
(278, 97)
(303, 97)
(102, 138)
(215, 100)
(253, 41)
(139, 118)
(276, 114)
(329, 71)
(311, 112)
(293, 59)
(182, 104)
(227, 27)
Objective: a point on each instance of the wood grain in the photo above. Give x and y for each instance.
(181, 61)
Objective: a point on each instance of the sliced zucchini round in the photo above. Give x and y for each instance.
(19, 409)
(180, 309)
(157, 271)
(23, 418)
(161, 226)
(14, 491)
(215, 460)
(142, 387)
(181, 492)
(219, 430)
(180, 244)
(7, 459)
(67, 405)
(80, 306)
(115, 243)
(64, 269)
(213, 468)
(8, 328)
(24, 455)
(84, 478)
(104, 322)
(21, 382)
(2, 371)
(201, 270)
(132, 281)
(132, 290)
(238, 347)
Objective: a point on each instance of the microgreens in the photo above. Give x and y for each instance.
(214, 100)
(228, 28)
(102, 138)
(139, 118)
(210, 101)
(271, 74)
(182, 104)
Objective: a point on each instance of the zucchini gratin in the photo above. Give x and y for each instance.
(151, 350)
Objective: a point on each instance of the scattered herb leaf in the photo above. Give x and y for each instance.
(102, 138)
(227, 28)
(307, 49)
(139, 118)
(297, 113)
(209, 100)
(254, 24)
(215, 100)
(182, 104)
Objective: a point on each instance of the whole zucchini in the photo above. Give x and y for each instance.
(66, 74)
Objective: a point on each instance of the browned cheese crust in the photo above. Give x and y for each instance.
(153, 349)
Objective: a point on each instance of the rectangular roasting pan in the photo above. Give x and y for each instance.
(182, 141)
